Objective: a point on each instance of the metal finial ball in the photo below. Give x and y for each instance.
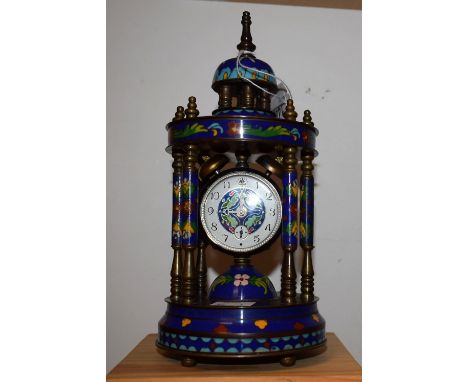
(290, 112)
(192, 111)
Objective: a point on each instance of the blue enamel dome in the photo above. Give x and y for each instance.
(227, 71)
(241, 283)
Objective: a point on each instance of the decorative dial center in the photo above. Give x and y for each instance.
(241, 211)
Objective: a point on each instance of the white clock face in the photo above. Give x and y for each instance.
(241, 211)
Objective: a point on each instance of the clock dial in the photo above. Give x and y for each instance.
(241, 211)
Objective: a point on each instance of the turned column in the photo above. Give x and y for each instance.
(290, 223)
(307, 218)
(190, 208)
(177, 217)
(225, 96)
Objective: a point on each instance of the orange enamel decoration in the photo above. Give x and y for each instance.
(261, 324)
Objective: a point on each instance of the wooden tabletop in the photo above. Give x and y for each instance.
(145, 364)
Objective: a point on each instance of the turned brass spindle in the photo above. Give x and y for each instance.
(179, 114)
(190, 229)
(225, 97)
(264, 101)
(307, 217)
(290, 225)
(247, 96)
(192, 111)
(246, 37)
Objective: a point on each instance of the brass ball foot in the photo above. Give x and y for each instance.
(188, 362)
(288, 361)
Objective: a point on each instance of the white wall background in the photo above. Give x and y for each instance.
(161, 52)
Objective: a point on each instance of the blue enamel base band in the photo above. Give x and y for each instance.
(231, 128)
(223, 321)
(220, 345)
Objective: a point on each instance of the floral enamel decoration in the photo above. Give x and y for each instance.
(241, 279)
(186, 321)
(261, 324)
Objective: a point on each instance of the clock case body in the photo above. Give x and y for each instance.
(262, 325)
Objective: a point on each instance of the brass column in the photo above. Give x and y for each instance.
(190, 210)
(307, 218)
(177, 217)
(290, 221)
(177, 264)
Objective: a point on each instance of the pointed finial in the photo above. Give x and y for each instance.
(179, 114)
(191, 111)
(307, 118)
(246, 38)
(290, 112)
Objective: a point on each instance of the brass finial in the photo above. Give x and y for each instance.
(307, 118)
(290, 112)
(246, 38)
(191, 111)
(179, 114)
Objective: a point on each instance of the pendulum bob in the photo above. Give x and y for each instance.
(255, 286)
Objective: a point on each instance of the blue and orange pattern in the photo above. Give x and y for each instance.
(253, 128)
(290, 221)
(227, 70)
(190, 207)
(177, 213)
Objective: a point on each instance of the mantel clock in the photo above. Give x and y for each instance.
(242, 179)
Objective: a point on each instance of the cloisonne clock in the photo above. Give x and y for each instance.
(236, 188)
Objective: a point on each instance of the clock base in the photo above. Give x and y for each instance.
(251, 332)
(287, 358)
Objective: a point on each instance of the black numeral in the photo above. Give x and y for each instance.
(215, 195)
(227, 184)
(268, 228)
(214, 226)
(257, 185)
(268, 196)
(256, 238)
(225, 237)
(272, 211)
(210, 210)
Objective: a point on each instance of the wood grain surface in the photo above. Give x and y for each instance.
(145, 364)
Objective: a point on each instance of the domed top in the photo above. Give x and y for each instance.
(227, 70)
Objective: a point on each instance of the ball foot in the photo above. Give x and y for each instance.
(288, 361)
(188, 362)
